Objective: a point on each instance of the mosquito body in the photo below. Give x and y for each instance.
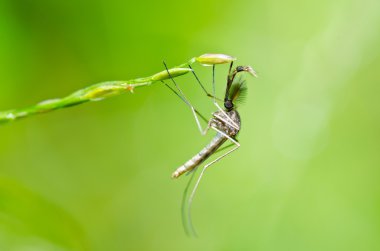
(226, 122)
(220, 138)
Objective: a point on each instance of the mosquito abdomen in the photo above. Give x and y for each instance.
(199, 158)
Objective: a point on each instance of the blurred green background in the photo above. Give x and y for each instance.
(97, 176)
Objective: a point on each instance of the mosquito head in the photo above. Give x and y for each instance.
(246, 69)
(228, 105)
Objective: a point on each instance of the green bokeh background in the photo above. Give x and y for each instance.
(97, 176)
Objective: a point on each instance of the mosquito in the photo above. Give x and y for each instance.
(226, 122)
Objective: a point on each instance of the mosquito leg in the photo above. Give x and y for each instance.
(213, 83)
(202, 86)
(186, 102)
(187, 221)
(224, 147)
(194, 112)
(190, 201)
(182, 96)
(204, 169)
(237, 145)
(186, 218)
(220, 157)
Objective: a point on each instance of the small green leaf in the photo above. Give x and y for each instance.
(174, 72)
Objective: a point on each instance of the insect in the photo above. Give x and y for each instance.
(226, 122)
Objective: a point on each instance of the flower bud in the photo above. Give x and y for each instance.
(211, 59)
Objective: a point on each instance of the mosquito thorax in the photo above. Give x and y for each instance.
(224, 124)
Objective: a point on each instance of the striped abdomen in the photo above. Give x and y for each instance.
(198, 159)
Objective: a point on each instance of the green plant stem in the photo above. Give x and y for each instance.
(94, 92)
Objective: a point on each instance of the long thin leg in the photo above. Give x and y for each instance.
(186, 218)
(217, 159)
(186, 221)
(202, 86)
(213, 83)
(190, 201)
(183, 97)
(184, 100)
(224, 147)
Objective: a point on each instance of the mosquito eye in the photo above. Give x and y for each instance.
(239, 68)
(228, 104)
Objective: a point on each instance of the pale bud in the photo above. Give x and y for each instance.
(211, 59)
